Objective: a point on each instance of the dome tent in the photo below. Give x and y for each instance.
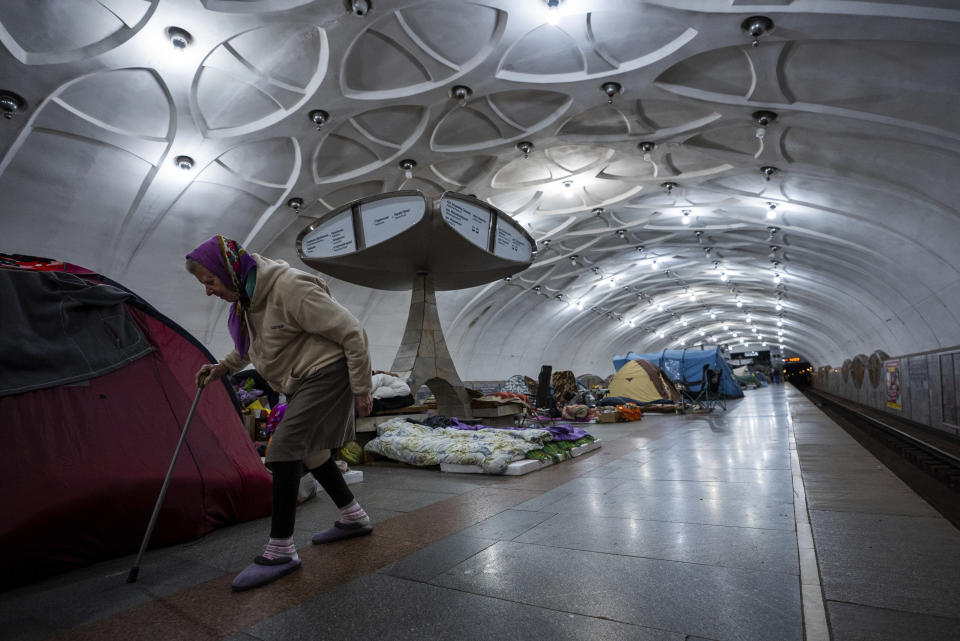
(643, 381)
(95, 389)
(687, 365)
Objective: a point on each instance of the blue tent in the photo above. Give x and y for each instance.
(687, 364)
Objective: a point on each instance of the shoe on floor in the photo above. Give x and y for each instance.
(341, 531)
(263, 571)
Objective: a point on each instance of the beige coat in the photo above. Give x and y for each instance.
(296, 328)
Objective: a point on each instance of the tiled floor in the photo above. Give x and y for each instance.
(681, 528)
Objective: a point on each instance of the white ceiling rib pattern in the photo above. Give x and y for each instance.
(865, 143)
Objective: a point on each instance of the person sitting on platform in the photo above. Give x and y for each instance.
(313, 350)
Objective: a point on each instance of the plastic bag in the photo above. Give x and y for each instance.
(352, 453)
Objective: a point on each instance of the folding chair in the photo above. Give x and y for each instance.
(711, 389)
(707, 394)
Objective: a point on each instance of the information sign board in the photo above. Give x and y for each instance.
(334, 237)
(510, 243)
(387, 217)
(467, 219)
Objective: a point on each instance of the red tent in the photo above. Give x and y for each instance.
(85, 457)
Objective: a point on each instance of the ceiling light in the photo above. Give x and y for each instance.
(461, 93)
(660, 306)
(184, 162)
(653, 263)
(771, 214)
(757, 26)
(579, 304)
(613, 281)
(739, 303)
(622, 233)
(319, 117)
(553, 12)
(296, 204)
(685, 323)
(11, 104)
(568, 184)
(726, 327)
(407, 165)
(713, 315)
(779, 323)
(669, 187)
(179, 38)
(525, 147)
(723, 276)
(360, 7)
(686, 217)
(779, 306)
(776, 277)
(764, 117)
(611, 89)
(768, 172)
(573, 258)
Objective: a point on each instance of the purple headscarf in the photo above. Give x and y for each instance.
(229, 261)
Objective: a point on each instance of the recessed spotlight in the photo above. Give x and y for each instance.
(461, 93)
(319, 117)
(407, 165)
(184, 162)
(179, 38)
(611, 89)
(553, 12)
(11, 104)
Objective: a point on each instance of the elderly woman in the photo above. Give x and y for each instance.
(312, 349)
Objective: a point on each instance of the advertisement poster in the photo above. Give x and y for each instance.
(892, 369)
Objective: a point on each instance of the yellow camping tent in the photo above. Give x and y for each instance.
(643, 381)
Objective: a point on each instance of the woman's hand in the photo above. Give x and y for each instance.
(209, 372)
(364, 403)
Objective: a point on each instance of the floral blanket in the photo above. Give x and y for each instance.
(492, 449)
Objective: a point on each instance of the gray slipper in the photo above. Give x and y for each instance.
(341, 531)
(263, 571)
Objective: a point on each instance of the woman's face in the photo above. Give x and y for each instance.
(213, 285)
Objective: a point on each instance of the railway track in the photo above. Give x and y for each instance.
(931, 469)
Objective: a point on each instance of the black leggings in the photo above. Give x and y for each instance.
(286, 483)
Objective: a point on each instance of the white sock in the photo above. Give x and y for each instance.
(353, 513)
(277, 548)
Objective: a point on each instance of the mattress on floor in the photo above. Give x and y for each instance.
(491, 448)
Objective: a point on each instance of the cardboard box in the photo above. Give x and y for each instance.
(608, 417)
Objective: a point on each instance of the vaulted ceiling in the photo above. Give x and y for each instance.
(642, 177)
